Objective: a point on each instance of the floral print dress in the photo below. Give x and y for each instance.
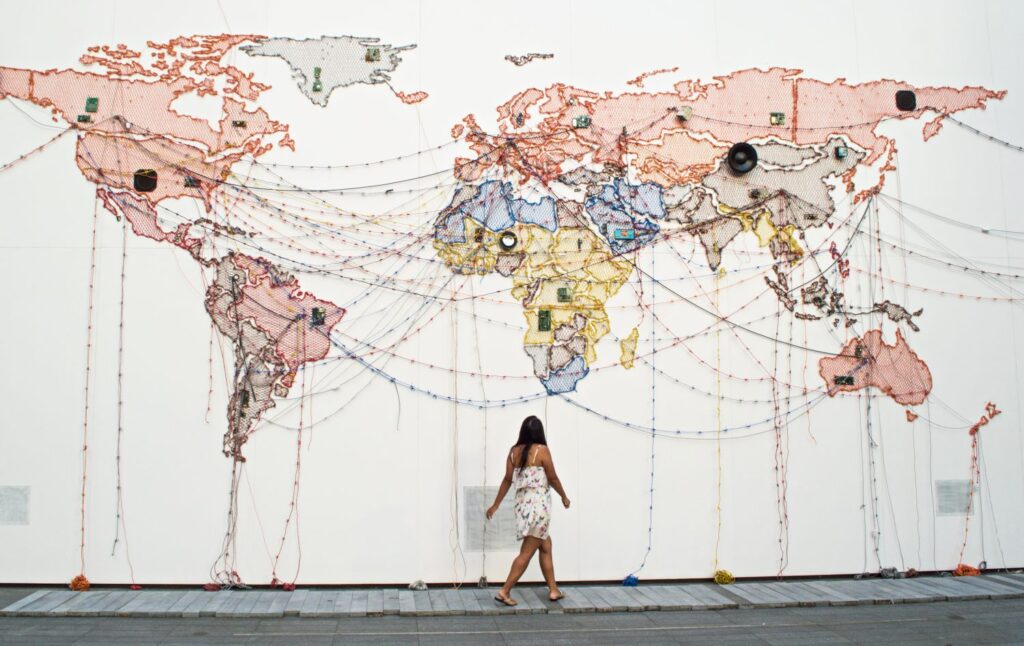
(533, 502)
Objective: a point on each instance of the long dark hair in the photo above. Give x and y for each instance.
(530, 433)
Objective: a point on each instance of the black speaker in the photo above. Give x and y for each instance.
(508, 240)
(742, 158)
(145, 180)
(906, 100)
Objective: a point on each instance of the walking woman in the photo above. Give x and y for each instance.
(530, 470)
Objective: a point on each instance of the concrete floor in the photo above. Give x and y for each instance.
(966, 622)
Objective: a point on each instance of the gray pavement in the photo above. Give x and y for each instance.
(957, 622)
(472, 601)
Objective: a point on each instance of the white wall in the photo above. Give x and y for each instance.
(381, 496)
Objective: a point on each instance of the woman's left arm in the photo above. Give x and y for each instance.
(553, 480)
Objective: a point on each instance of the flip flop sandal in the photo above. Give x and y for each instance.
(561, 595)
(505, 601)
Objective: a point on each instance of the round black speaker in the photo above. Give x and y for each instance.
(144, 180)
(508, 240)
(742, 158)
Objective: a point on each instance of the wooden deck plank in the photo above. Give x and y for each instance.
(925, 593)
(603, 602)
(24, 601)
(356, 606)
(572, 601)
(760, 596)
(391, 606)
(532, 599)
(453, 598)
(903, 593)
(375, 602)
(91, 608)
(136, 600)
(1010, 580)
(295, 602)
(622, 595)
(645, 596)
(127, 609)
(327, 601)
(311, 603)
(75, 602)
(856, 590)
(594, 600)
(676, 597)
(664, 599)
(47, 602)
(422, 605)
(246, 600)
(996, 589)
(260, 605)
(804, 596)
(485, 597)
(278, 603)
(85, 602)
(889, 592)
(113, 601)
(527, 599)
(214, 601)
(952, 589)
(836, 597)
(406, 602)
(227, 609)
(539, 601)
(471, 602)
(708, 596)
(183, 602)
(439, 603)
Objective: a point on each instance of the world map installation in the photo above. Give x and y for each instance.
(558, 196)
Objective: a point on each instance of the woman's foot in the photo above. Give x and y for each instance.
(504, 599)
(555, 594)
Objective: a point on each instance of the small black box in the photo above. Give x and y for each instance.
(906, 100)
(145, 180)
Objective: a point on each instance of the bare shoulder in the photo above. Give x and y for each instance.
(543, 451)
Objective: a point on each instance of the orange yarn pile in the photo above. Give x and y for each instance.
(966, 570)
(79, 583)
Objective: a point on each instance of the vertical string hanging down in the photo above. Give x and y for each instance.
(721, 576)
(879, 434)
(454, 535)
(482, 582)
(631, 578)
(868, 395)
(781, 427)
(779, 469)
(902, 237)
(80, 582)
(120, 525)
(209, 374)
(293, 506)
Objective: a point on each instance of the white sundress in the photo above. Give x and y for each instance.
(533, 502)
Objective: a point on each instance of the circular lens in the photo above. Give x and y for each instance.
(508, 240)
(742, 158)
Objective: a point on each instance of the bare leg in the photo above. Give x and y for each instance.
(547, 566)
(519, 565)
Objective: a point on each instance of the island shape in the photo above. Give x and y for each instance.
(322, 65)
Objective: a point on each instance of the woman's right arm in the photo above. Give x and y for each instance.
(549, 471)
(506, 483)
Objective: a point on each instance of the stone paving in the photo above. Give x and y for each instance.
(474, 601)
(956, 622)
